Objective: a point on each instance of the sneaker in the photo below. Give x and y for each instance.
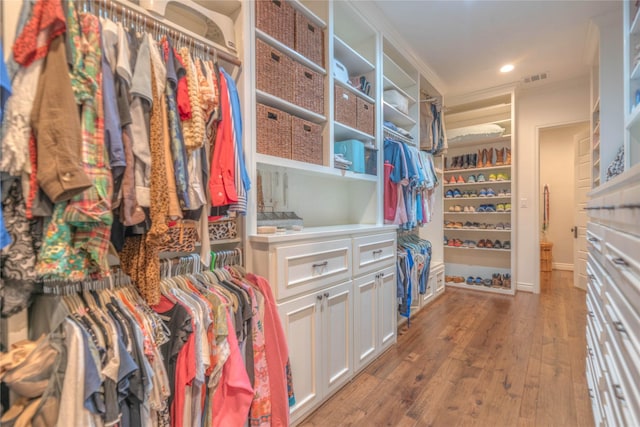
(507, 192)
(471, 179)
(456, 193)
(475, 225)
(470, 280)
(502, 177)
(457, 243)
(490, 208)
(481, 243)
(483, 192)
(449, 194)
(496, 280)
(473, 194)
(500, 207)
(457, 208)
(506, 280)
(507, 207)
(452, 208)
(499, 226)
(491, 226)
(482, 208)
(467, 224)
(488, 244)
(472, 243)
(487, 283)
(466, 209)
(502, 193)
(465, 244)
(471, 209)
(506, 245)
(452, 180)
(480, 178)
(465, 194)
(482, 226)
(448, 224)
(492, 177)
(507, 226)
(460, 179)
(497, 245)
(478, 281)
(490, 192)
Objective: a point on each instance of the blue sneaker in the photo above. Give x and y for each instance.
(449, 194)
(490, 192)
(490, 208)
(482, 208)
(481, 178)
(470, 280)
(457, 193)
(483, 192)
(471, 179)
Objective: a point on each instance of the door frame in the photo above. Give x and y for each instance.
(536, 200)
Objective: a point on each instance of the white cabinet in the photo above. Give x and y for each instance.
(318, 328)
(613, 301)
(375, 319)
(335, 289)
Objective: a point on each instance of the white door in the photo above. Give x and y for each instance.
(365, 318)
(302, 323)
(582, 149)
(337, 350)
(387, 308)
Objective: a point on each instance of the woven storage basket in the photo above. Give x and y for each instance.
(274, 71)
(309, 40)
(306, 141)
(223, 228)
(345, 107)
(365, 114)
(276, 18)
(308, 89)
(273, 131)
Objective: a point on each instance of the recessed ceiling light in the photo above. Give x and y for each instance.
(506, 68)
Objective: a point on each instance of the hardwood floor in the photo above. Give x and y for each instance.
(473, 358)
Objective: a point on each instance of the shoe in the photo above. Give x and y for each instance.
(487, 282)
(502, 177)
(507, 207)
(466, 209)
(482, 208)
(507, 156)
(506, 280)
(471, 209)
(457, 208)
(481, 178)
(457, 243)
(500, 207)
(488, 244)
(452, 180)
(465, 244)
(481, 243)
(491, 226)
(475, 225)
(472, 243)
(473, 194)
(456, 193)
(496, 280)
(490, 192)
(460, 179)
(499, 226)
(465, 194)
(458, 279)
(506, 245)
(448, 194)
(497, 244)
(470, 280)
(492, 177)
(465, 161)
(473, 160)
(480, 163)
(507, 226)
(478, 281)
(502, 193)
(467, 224)
(482, 226)
(490, 208)
(452, 208)
(499, 156)
(483, 192)
(448, 224)
(471, 179)
(489, 161)
(507, 192)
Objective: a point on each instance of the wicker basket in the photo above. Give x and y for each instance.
(308, 89)
(306, 141)
(274, 71)
(273, 131)
(365, 116)
(309, 40)
(276, 18)
(345, 107)
(223, 228)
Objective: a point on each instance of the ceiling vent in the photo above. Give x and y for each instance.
(536, 78)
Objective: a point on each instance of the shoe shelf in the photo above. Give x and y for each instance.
(484, 288)
(448, 199)
(485, 183)
(477, 249)
(490, 168)
(479, 230)
(477, 213)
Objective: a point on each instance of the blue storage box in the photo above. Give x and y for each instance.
(352, 150)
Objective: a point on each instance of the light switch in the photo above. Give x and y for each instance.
(524, 202)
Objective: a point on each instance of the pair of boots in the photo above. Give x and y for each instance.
(485, 158)
(465, 161)
(502, 157)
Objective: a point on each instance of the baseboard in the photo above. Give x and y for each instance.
(525, 287)
(562, 266)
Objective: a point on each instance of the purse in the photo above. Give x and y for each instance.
(182, 236)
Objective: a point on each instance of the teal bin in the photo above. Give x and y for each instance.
(352, 150)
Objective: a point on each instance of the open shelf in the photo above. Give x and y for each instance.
(635, 25)
(477, 249)
(352, 60)
(273, 101)
(480, 288)
(355, 91)
(478, 183)
(306, 12)
(506, 139)
(478, 213)
(397, 117)
(489, 168)
(312, 169)
(479, 230)
(449, 199)
(396, 74)
(388, 85)
(289, 52)
(342, 132)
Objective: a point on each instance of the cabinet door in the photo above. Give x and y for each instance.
(366, 311)
(430, 291)
(387, 308)
(302, 323)
(337, 351)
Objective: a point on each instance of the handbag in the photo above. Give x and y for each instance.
(182, 236)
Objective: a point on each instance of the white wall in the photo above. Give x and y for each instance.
(556, 104)
(558, 172)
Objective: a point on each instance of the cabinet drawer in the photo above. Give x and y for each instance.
(624, 396)
(623, 326)
(372, 253)
(595, 236)
(306, 267)
(621, 255)
(596, 319)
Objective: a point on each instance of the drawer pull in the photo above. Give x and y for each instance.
(617, 391)
(591, 393)
(591, 314)
(319, 297)
(381, 274)
(377, 252)
(593, 239)
(619, 327)
(320, 264)
(620, 261)
(326, 294)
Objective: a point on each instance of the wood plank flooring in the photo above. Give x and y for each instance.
(473, 358)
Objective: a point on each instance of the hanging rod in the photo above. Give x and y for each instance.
(152, 23)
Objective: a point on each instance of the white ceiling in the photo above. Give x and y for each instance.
(466, 42)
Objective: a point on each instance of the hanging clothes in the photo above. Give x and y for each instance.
(413, 265)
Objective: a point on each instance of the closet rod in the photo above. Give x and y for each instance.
(164, 26)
